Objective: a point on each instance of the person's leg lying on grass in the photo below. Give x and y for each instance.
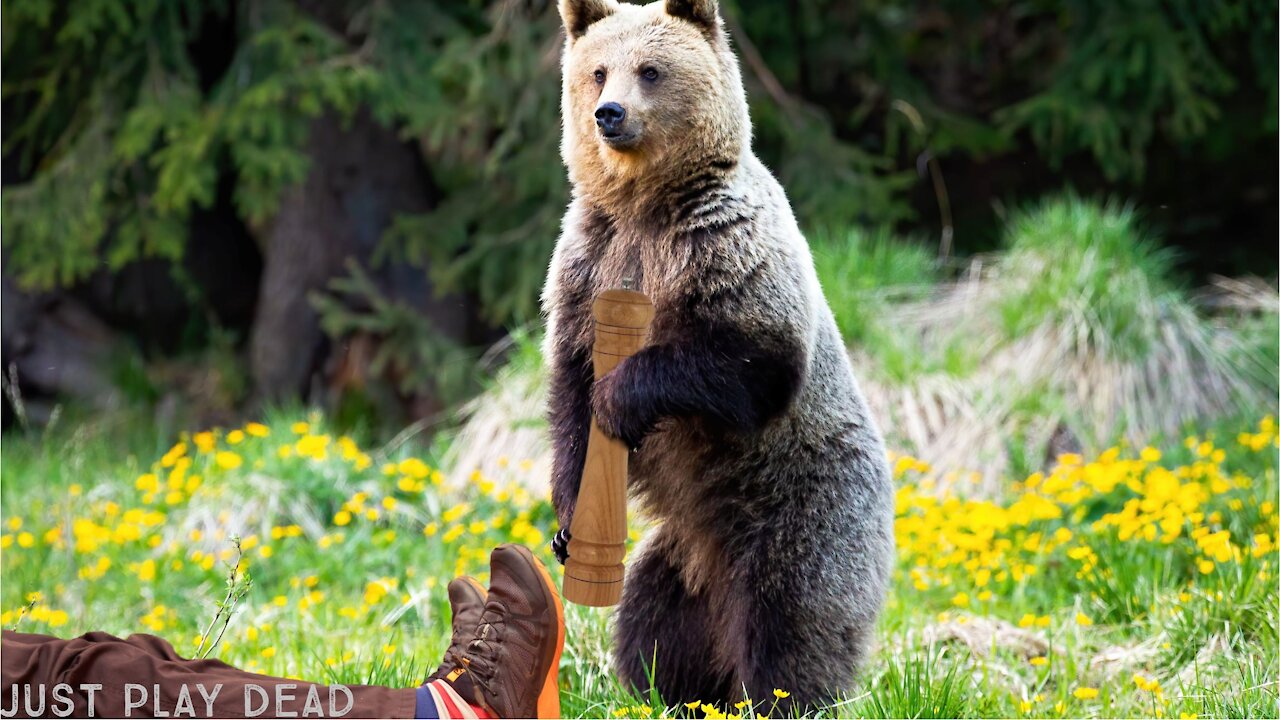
(142, 676)
(502, 662)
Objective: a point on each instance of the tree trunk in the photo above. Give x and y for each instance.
(52, 348)
(362, 175)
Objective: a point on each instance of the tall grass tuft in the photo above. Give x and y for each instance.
(1090, 269)
(1074, 337)
(920, 686)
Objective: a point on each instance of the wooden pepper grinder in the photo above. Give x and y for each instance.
(598, 532)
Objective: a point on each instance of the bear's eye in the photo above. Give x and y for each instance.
(649, 74)
(599, 75)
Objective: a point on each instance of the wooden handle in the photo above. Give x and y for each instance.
(598, 532)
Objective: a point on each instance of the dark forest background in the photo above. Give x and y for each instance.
(211, 206)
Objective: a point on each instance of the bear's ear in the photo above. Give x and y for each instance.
(699, 12)
(578, 15)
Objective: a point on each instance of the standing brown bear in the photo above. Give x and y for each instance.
(752, 446)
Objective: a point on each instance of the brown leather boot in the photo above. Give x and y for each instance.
(466, 599)
(513, 661)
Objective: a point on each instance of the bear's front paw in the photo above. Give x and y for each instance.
(614, 416)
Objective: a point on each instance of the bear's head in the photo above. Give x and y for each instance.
(650, 91)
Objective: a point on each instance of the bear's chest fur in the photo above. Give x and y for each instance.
(643, 257)
(619, 254)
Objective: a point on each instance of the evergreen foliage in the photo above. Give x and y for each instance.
(125, 116)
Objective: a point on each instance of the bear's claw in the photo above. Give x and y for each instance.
(560, 545)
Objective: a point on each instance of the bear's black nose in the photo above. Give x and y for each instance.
(609, 117)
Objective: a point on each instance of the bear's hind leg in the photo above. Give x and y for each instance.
(806, 632)
(664, 631)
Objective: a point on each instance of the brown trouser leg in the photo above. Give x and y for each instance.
(142, 676)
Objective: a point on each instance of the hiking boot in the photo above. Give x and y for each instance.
(513, 661)
(466, 599)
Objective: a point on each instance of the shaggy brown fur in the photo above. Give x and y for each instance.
(752, 447)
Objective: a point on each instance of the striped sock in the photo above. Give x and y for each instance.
(438, 699)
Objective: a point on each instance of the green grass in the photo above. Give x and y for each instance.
(363, 540)
(861, 270)
(866, 272)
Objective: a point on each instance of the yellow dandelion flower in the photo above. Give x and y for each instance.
(1085, 693)
(228, 460)
(374, 592)
(1083, 620)
(235, 437)
(414, 468)
(781, 694)
(170, 458)
(145, 570)
(204, 441)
